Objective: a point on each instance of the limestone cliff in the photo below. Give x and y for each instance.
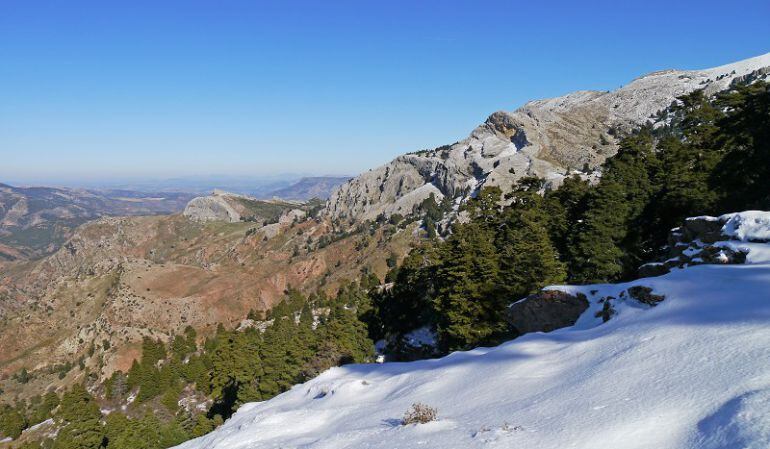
(546, 138)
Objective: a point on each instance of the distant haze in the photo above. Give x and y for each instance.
(257, 186)
(98, 91)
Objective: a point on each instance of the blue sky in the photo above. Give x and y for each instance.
(98, 90)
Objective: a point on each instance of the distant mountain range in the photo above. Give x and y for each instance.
(306, 188)
(258, 186)
(36, 220)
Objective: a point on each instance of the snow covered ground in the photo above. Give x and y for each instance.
(692, 372)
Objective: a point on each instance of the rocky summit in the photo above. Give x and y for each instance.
(546, 138)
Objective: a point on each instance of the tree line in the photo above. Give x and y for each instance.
(707, 155)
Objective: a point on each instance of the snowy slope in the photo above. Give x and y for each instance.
(692, 372)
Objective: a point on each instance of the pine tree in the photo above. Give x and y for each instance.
(468, 302)
(608, 244)
(742, 177)
(12, 421)
(80, 418)
(528, 259)
(407, 305)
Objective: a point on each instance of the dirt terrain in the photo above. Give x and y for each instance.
(120, 279)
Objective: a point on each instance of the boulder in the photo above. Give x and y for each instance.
(705, 229)
(644, 295)
(546, 311)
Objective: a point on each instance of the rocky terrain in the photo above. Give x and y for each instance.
(119, 279)
(677, 361)
(547, 138)
(35, 221)
(233, 208)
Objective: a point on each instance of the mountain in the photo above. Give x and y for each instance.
(685, 370)
(36, 220)
(233, 208)
(311, 187)
(119, 279)
(184, 318)
(546, 138)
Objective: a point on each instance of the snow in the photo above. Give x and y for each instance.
(689, 373)
(37, 426)
(423, 336)
(747, 226)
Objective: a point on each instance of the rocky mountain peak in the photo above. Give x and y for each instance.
(549, 138)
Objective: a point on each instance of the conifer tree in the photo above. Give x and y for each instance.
(528, 259)
(607, 244)
(12, 421)
(468, 302)
(80, 418)
(742, 177)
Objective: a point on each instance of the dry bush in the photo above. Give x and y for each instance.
(419, 414)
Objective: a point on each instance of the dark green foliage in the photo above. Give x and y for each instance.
(12, 421)
(712, 157)
(605, 245)
(80, 419)
(742, 176)
(407, 304)
(468, 305)
(23, 376)
(252, 366)
(145, 433)
(41, 407)
(528, 257)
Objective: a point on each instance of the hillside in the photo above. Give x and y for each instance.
(171, 323)
(234, 208)
(545, 138)
(122, 279)
(319, 187)
(35, 221)
(690, 372)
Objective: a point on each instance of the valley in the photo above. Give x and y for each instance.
(577, 247)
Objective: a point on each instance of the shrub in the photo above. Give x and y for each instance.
(419, 414)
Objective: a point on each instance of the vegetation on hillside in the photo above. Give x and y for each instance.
(185, 389)
(711, 157)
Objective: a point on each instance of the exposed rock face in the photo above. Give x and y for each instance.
(232, 208)
(546, 311)
(292, 216)
(211, 208)
(708, 240)
(546, 138)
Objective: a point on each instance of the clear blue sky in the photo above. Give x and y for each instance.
(166, 88)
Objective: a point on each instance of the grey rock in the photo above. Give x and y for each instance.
(546, 311)
(644, 295)
(550, 138)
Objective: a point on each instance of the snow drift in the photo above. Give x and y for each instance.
(691, 372)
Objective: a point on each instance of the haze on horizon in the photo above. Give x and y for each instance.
(91, 92)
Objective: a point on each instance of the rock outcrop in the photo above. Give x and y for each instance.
(547, 138)
(711, 240)
(546, 311)
(216, 207)
(232, 208)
